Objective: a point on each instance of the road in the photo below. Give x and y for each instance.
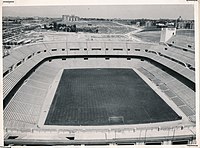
(130, 35)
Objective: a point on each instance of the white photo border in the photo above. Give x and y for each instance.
(113, 2)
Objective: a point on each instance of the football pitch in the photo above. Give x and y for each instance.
(105, 97)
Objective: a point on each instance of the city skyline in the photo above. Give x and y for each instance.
(104, 11)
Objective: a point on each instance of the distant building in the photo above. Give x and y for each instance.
(170, 24)
(189, 25)
(148, 24)
(180, 25)
(65, 17)
(70, 18)
(36, 17)
(138, 24)
(184, 24)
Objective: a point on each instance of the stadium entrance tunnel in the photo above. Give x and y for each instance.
(70, 138)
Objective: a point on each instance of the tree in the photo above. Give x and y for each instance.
(55, 26)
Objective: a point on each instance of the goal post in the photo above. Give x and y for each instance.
(116, 120)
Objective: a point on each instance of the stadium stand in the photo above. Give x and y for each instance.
(182, 42)
(182, 96)
(29, 72)
(29, 99)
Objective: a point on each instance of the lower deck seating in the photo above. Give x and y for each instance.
(25, 107)
(182, 96)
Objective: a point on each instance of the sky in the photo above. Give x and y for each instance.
(105, 11)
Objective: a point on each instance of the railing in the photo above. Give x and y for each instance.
(103, 136)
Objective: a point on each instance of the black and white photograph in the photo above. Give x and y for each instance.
(99, 75)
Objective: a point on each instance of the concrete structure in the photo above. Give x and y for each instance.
(167, 33)
(70, 18)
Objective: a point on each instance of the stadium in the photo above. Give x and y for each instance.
(100, 92)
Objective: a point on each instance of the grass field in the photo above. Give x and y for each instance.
(105, 97)
(149, 36)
